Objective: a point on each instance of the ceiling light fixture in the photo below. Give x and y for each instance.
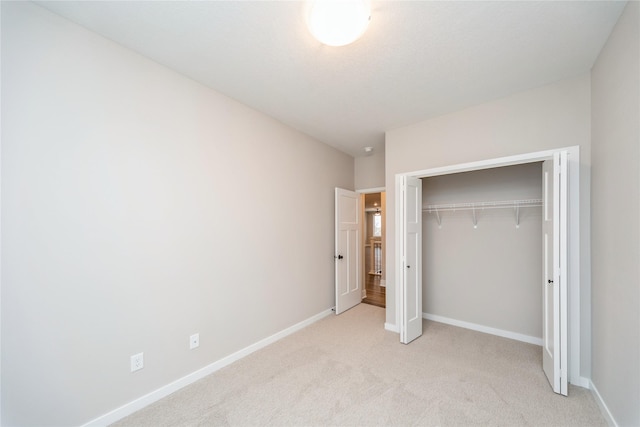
(338, 22)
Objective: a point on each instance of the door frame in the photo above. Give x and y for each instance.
(570, 308)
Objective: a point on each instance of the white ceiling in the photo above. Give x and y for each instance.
(416, 60)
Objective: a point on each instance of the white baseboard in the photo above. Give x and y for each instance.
(391, 327)
(485, 329)
(603, 406)
(154, 396)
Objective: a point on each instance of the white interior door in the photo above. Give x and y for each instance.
(347, 254)
(554, 293)
(411, 316)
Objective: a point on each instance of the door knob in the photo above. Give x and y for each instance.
(340, 257)
(549, 281)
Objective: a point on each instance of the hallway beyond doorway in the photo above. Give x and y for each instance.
(375, 293)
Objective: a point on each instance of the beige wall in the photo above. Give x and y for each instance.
(489, 275)
(129, 198)
(615, 220)
(553, 116)
(369, 171)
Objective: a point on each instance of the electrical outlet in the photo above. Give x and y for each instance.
(137, 362)
(194, 341)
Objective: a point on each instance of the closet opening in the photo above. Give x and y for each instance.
(561, 266)
(481, 250)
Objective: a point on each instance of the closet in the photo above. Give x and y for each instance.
(481, 249)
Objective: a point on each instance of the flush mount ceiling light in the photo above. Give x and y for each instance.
(338, 22)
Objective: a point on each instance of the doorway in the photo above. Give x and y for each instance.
(353, 271)
(373, 260)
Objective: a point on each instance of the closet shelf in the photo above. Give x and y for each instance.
(483, 205)
(477, 206)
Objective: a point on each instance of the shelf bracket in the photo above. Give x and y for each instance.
(517, 209)
(475, 218)
(438, 218)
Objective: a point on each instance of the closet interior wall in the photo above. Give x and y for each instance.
(488, 274)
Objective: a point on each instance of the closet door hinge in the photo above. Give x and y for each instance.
(558, 167)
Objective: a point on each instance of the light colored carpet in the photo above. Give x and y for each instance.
(348, 371)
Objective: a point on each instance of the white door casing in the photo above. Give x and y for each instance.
(554, 276)
(411, 326)
(347, 250)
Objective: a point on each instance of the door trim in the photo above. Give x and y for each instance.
(571, 306)
(371, 190)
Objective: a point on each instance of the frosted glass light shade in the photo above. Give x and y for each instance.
(338, 22)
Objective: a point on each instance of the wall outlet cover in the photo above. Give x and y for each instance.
(137, 362)
(194, 341)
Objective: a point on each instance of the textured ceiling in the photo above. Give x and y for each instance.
(417, 59)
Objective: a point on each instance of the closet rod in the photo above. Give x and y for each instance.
(475, 206)
(525, 203)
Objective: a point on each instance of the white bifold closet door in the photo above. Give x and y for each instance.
(411, 307)
(554, 276)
